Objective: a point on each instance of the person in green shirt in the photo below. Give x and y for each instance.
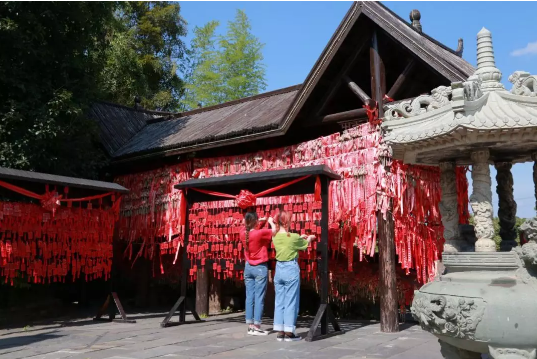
(287, 278)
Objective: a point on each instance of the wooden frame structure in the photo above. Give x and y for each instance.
(36, 179)
(256, 182)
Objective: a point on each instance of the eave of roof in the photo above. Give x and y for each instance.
(37, 177)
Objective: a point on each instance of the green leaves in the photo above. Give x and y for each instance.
(47, 80)
(224, 68)
(145, 52)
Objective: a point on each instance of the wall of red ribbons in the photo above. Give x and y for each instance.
(150, 212)
(46, 247)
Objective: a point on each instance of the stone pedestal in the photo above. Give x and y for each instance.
(481, 202)
(448, 207)
(507, 205)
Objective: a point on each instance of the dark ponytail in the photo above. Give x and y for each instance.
(250, 220)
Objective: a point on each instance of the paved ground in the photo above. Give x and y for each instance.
(218, 337)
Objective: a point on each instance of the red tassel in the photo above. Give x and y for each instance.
(317, 189)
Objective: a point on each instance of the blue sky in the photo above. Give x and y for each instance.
(295, 33)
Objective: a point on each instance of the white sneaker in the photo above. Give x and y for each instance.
(257, 331)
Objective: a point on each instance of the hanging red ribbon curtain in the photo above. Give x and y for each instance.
(51, 200)
(247, 199)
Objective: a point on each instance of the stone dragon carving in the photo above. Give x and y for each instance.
(439, 97)
(445, 315)
(481, 202)
(448, 206)
(528, 252)
(524, 84)
(506, 205)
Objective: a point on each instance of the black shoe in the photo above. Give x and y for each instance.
(292, 338)
(280, 337)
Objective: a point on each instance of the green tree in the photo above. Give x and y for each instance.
(226, 67)
(49, 59)
(145, 55)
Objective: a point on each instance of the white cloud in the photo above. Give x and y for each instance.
(530, 49)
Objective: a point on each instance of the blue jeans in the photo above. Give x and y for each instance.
(255, 279)
(287, 285)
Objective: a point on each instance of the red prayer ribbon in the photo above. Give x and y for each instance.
(247, 199)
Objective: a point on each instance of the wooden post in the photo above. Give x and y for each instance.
(215, 294)
(202, 292)
(185, 264)
(324, 253)
(388, 290)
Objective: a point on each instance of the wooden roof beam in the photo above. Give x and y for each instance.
(337, 80)
(360, 113)
(378, 73)
(357, 90)
(401, 79)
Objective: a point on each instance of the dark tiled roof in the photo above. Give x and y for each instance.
(119, 123)
(209, 125)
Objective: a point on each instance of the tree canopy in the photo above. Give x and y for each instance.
(224, 67)
(59, 57)
(49, 60)
(145, 54)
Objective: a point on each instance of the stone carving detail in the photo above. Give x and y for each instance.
(439, 97)
(507, 205)
(528, 253)
(534, 159)
(481, 202)
(448, 207)
(452, 316)
(472, 88)
(449, 351)
(524, 84)
(529, 228)
(511, 353)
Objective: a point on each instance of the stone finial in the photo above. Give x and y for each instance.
(487, 71)
(415, 18)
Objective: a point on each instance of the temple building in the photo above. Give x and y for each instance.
(374, 58)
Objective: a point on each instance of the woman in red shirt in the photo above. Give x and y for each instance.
(256, 242)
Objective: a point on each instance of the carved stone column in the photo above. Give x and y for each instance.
(448, 207)
(534, 158)
(481, 202)
(507, 205)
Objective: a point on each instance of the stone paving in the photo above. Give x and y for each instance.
(218, 337)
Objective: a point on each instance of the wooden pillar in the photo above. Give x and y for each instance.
(202, 292)
(215, 294)
(323, 247)
(185, 264)
(389, 322)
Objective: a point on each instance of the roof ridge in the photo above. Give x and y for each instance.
(225, 104)
(143, 110)
(428, 37)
